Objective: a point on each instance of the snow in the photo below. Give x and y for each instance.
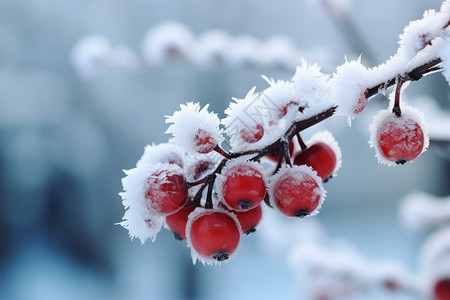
(298, 174)
(211, 49)
(91, 55)
(420, 211)
(198, 212)
(162, 153)
(435, 258)
(167, 42)
(348, 86)
(444, 54)
(420, 33)
(187, 122)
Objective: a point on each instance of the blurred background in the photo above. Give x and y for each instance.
(65, 140)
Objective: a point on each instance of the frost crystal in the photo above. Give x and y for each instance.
(195, 129)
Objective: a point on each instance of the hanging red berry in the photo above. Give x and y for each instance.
(213, 235)
(296, 191)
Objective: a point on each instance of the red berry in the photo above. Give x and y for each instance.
(213, 234)
(276, 157)
(249, 219)
(400, 140)
(166, 192)
(442, 289)
(177, 221)
(320, 157)
(253, 133)
(296, 191)
(243, 187)
(204, 142)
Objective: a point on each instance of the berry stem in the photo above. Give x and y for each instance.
(222, 152)
(198, 195)
(396, 109)
(300, 141)
(191, 184)
(210, 181)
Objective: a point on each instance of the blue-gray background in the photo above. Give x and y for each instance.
(64, 142)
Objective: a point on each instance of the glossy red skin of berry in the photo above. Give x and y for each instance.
(296, 197)
(442, 289)
(252, 134)
(248, 219)
(244, 187)
(215, 235)
(177, 221)
(276, 158)
(318, 156)
(400, 142)
(204, 142)
(166, 196)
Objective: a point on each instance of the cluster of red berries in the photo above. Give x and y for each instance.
(211, 202)
(213, 224)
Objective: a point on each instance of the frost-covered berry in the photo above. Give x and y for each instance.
(241, 185)
(204, 142)
(398, 139)
(166, 190)
(296, 191)
(442, 289)
(323, 155)
(253, 133)
(213, 235)
(177, 221)
(195, 130)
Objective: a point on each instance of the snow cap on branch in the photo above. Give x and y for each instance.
(195, 129)
(420, 33)
(348, 88)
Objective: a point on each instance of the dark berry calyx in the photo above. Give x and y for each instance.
(302, 213)
(221, 255)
